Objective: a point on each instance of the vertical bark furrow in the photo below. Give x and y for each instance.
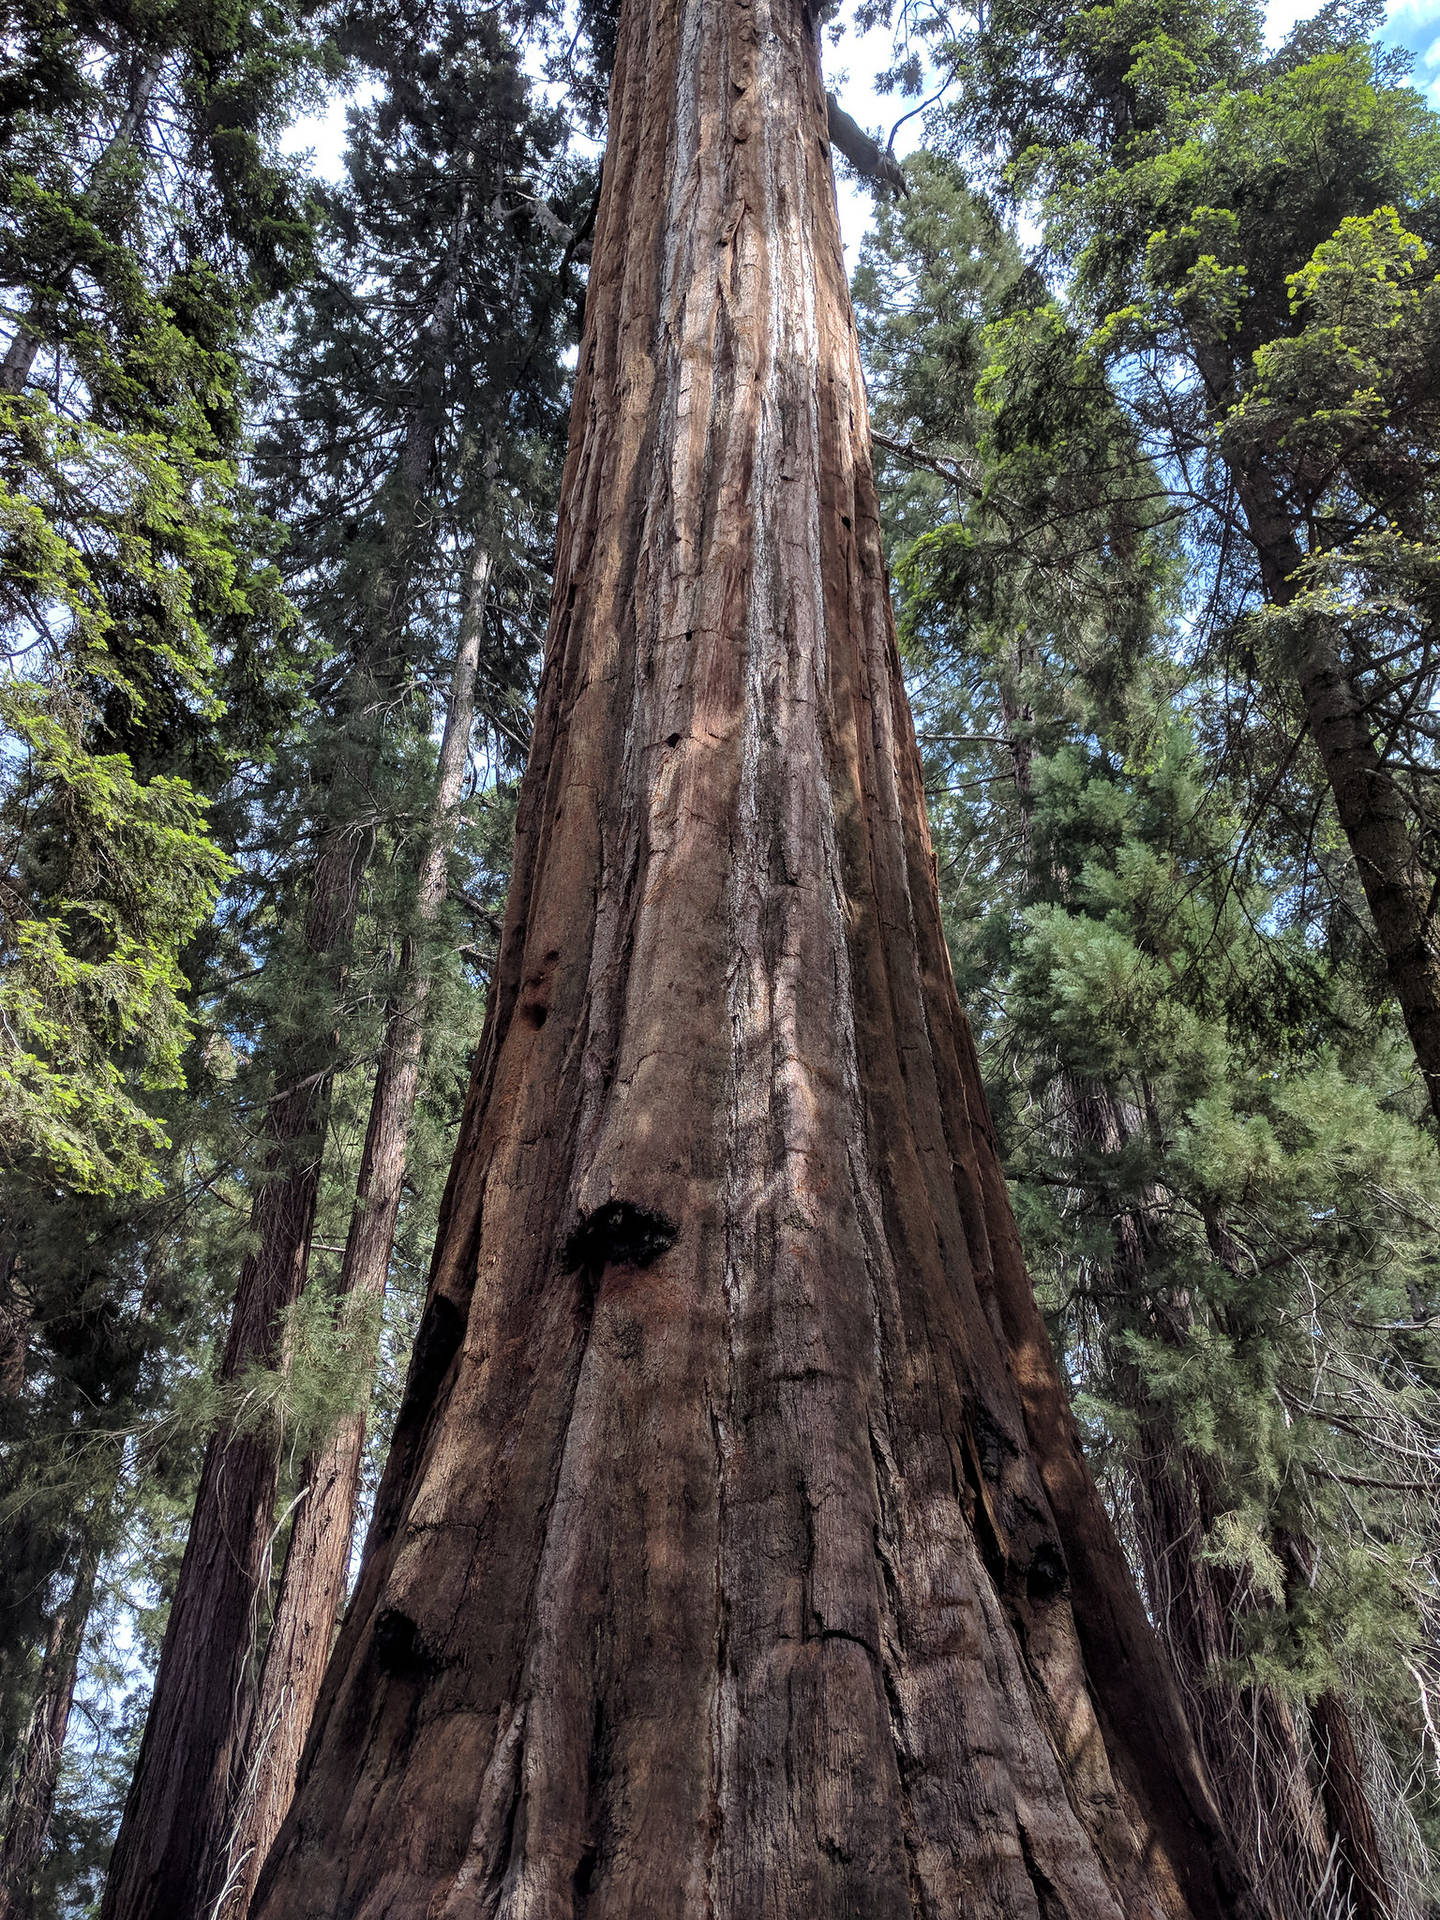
(765, 1553)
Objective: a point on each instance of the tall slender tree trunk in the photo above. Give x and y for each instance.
(170, 1853)
(317, 1559)
(1360, 1870)
(1401, 895)
(1362, 1873)
(1248, 1734)
(735, 1555)
(1301, 1845)
(32, 1799)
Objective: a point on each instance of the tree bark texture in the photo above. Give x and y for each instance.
(317, 1559)
(735, 1556)
(170, 1853)
(32, 1798)
(1362, 1873)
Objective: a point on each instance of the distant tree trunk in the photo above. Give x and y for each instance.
(313, 1583)
(1299, 1844)
(735, 1556)
(170, 1854)
(1247, 1734)
(1362, 1874)
(20, 355)
(1368, 801)
(32, 1799)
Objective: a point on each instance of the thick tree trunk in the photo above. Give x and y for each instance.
(317, 1559)
(723, 1565)
(32, 1799)
(170, 1854)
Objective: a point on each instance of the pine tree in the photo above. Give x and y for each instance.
(443, 170)
(1106, 904)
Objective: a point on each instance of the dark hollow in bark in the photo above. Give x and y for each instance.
(764, 1577)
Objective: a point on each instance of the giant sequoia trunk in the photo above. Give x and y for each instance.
(735, 1556)
(171, 1849)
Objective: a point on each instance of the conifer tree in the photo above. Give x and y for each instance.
(142, 218)
(434, 231)
(1247, 238)
(734, 1553)
(1108, 906)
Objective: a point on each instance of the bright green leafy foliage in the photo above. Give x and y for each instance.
(1223, 1190)
(139, 224)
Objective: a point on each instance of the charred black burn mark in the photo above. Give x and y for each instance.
(992, 1447)
(619, 1234)
(989, 1533)
(1047, 1573)
(441, 1330)
(585, 1873)
(399, 1649)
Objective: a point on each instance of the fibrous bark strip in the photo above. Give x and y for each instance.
(761, 1576)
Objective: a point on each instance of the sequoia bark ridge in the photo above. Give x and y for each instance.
(724, 1564)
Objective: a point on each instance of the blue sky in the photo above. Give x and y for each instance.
(1412, 24)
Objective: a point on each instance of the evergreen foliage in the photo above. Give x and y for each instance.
(1147, 454)
(1222, 1185)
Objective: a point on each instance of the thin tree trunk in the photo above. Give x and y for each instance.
(716, 1570)
(20, 355)
(1362, 1873)
(33, 1797)
(1401, 895)
(313, 1583)
(1247, 1734)
(170, 1853)
(1298, 1846)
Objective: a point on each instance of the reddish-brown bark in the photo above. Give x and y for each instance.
(736, 1556)
(32, 1797)
(317, 1558)
(170, 1853)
